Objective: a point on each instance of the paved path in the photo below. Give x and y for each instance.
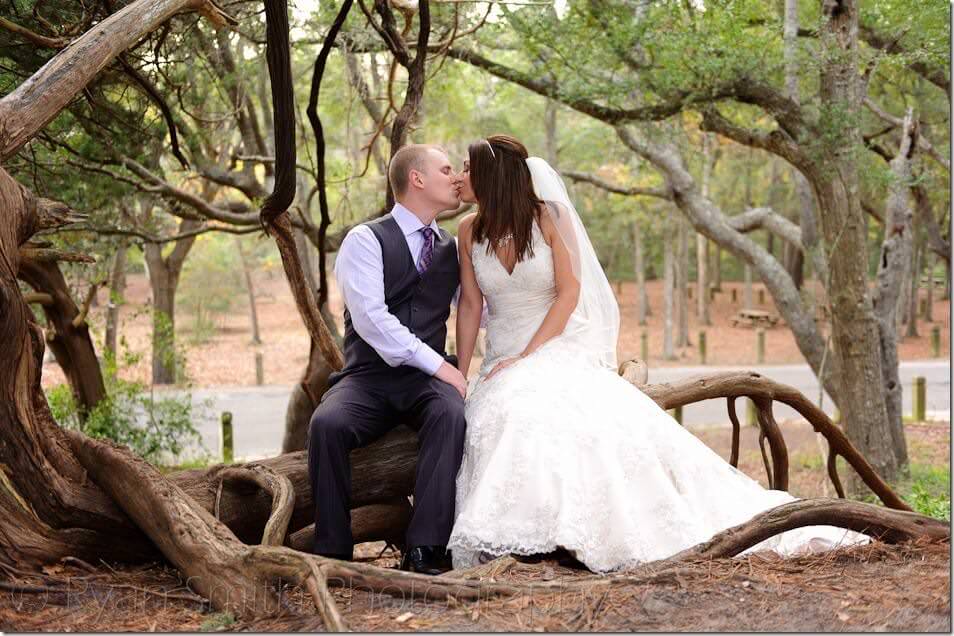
(259, 412)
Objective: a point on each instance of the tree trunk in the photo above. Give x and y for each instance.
(702, 244)
(304, 400)
(669, 283)
(911, 297)
(835, 179)
(550, 123)
(642, 298)
(250, 289)
(897, 256)
(747, 298)
(164, 275)
(67, 333)
(717, 268)
(929, 264)
(682, 283)
(117, 290)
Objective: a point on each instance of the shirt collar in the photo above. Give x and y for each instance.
(408, 221)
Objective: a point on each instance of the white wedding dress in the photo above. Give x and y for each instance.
(561, 451)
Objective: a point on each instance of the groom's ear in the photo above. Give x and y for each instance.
(416, 178)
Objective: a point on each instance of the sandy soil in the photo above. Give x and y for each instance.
(228, 357)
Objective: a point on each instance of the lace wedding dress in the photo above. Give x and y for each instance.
(561, 451)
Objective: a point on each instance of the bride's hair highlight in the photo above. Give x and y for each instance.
(506, 201)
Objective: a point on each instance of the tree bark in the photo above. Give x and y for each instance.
(642, 298)
(702, 244)
(682, 283)
(911, 297)
(669, 283)
(67, 333)
(164, 275)
(117, 290)
(835, 179)
(250, 289)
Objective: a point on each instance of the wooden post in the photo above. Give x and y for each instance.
(761, 296)
(644, 346)
(226, 437)
(920, 399)
(689, 291)
(259, 369)
(677, 414)
(760, 346)
(922, 307)
(751, 416)
(702, 347)
(935, 341)
(735, 295)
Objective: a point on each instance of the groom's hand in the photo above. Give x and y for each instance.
(452, 375)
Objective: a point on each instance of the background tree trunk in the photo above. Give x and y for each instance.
(682, 282)
(669, 283)
(854, 326)
(164, 275)
(642, 298)
(67, 333)
(117, 290)
(250, 289)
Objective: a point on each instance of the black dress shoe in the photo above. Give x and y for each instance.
(425, 559)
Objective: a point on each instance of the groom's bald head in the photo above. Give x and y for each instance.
(410, 157)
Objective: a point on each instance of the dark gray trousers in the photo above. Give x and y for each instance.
(360, 408)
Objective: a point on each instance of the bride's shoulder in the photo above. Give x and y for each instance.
(545, 221)
(465, 228)
(466, 225)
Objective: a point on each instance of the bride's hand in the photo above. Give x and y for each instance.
(503, 364)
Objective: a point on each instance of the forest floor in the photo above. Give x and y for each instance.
(223, 355)
(876, 587)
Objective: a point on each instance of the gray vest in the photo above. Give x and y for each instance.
(420, 302)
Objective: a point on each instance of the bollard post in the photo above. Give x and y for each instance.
(935, 341)
(920, 399)
(751, 416)
(760, 346)
(644, 346)
(702, 347)
(226, 438)
(677, 414)
(259, 368)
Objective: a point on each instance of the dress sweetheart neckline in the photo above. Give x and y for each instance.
(496, 258)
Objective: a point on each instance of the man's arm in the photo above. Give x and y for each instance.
(359, 270)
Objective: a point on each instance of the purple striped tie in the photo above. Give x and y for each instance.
(427, 251)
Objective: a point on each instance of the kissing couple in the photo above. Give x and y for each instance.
(547, 450)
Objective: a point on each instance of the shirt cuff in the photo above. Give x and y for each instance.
(426, 359)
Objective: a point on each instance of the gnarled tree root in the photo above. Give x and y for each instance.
(239, 578)
(884, 524)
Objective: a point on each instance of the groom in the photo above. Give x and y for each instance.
(397, 275)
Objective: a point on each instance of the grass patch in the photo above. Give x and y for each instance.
(217, 622)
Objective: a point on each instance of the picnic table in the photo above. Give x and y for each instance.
(753, 318)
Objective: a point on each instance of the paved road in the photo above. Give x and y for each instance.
(259, 412)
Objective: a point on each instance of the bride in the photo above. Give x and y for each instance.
(561, 452)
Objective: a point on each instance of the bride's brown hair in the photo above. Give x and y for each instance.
(506, 202)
